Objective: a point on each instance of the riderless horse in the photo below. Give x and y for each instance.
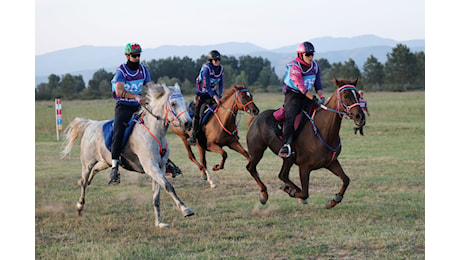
(317, 144)
(146, 150)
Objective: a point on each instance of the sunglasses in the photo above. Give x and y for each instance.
(135, 55)
(308, 54)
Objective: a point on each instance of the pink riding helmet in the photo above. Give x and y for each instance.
(305, 47)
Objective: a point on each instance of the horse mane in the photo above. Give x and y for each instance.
(229, 92)
(154, 94)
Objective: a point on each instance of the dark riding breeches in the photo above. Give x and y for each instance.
(293, 105)
(201, 102)
(123, 114)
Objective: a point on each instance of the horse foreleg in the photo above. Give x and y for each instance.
(217, 149)
(252, 169)
(289, 187)
(236, 146)
(304, 174)
(158, 178)
(336, 169)
(156, 205)
(191, 155)
(205, 175)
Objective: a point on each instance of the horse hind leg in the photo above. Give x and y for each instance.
(88, 173)
(336, 169)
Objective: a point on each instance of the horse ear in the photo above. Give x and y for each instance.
(177, 87)
(354, 82)
(336, 82)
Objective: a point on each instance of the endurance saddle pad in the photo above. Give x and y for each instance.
(206, 113)
(107, 131)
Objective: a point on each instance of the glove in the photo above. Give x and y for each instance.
(315, 101)
(322, 100)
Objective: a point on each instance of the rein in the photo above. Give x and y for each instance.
(234, 111)
(167, 122)
(341, 114)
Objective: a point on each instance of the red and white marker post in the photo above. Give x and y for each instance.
(57, 102)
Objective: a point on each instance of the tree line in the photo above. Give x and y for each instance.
(404, 70)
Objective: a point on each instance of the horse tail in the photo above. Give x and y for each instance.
(74, 130)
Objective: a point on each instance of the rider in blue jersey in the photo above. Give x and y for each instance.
(127, 85)
(126, 90)
(209, 87)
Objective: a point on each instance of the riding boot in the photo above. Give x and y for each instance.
(114, 176)
(195, 125)
(286, 150)
(172, 169)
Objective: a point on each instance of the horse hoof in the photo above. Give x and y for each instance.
(204, 177)
(263, 198)
(330, 204)
(214, 185)
(79, 207)
(162, 225)
(305, 201)
(188, 212)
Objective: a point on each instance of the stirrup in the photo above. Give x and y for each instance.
(114, 177)
(283, 153)
(191, 140)
(173, 169)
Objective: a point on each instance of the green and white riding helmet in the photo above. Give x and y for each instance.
(132, 48)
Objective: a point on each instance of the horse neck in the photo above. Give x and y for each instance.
(226, 112)
(154, 124)
(328, 122)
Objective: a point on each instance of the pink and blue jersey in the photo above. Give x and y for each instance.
(134, 81)
(300, 81)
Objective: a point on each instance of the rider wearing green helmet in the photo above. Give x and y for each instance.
(127, 85)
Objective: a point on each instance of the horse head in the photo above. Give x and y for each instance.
(172, 102)
(244, 100)
(348, 100)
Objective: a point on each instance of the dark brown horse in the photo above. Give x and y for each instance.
(317, 145)
(221, 130)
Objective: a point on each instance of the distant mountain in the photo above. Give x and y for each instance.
(85, 60)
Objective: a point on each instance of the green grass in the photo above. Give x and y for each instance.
(382, 215)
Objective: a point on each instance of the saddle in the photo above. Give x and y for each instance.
(206, 113)
(299, 122)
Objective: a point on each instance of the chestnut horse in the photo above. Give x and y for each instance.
(221, 129)
(317, 145)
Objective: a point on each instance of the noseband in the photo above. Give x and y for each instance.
(170, 110)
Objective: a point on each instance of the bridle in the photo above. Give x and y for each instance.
(340, 105)
(234, 109)
(168, 109)
(346, 109)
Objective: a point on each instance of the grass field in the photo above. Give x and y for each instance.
(382, 215)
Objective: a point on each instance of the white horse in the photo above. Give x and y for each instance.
(146, 150)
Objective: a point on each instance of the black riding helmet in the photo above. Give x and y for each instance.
(213, 55)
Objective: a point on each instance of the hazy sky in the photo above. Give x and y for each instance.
(270, 24)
